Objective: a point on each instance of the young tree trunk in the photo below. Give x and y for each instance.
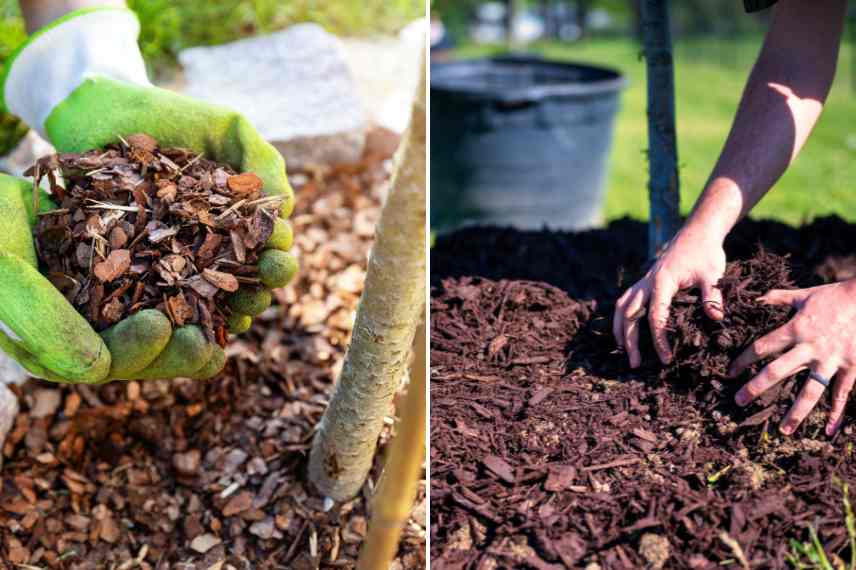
(390, 308)
(583, 9)
(636, 18)
(664, 185)
(396, 491)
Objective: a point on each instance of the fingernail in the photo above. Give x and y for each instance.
(832, 427)
(731, 373)
(787, 430)
(741, 398)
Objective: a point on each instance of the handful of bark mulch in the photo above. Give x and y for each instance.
(139, 227)
(703, 348)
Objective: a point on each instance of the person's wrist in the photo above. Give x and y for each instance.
(718, 210)
(698, 235)
(39, 13)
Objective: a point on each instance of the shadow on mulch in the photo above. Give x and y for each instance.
(547, 452)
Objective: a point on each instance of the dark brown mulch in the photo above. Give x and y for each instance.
(210, 475)
(139, 226)
(703, 348)
(547, 452)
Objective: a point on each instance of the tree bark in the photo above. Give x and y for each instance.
(390, 308)
(664, 184)
(636, 18)
(396, 491)
(583, 9)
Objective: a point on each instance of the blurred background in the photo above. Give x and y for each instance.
(715, 46)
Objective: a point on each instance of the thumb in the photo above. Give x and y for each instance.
(711, 298)
(783, 296)
(38, 320)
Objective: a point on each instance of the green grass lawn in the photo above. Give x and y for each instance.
(710, 75)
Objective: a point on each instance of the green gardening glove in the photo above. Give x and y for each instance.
(38, 327)
(93, 89)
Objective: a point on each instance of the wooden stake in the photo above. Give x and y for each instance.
(396, 491)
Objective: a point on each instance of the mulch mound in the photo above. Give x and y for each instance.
(210, 475)
(548, 452)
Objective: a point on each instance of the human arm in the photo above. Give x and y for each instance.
(780, 105)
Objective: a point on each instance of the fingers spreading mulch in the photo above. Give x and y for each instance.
(139, 226)
(181, 475)
(704, 348)
(549, 453)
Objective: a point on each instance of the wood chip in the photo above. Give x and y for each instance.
(116, 264)
(204, 542)
(246, 184)
(221, 280)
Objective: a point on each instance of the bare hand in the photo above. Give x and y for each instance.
(690, 260)
(821, 337)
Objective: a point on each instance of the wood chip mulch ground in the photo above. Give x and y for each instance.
(211, 475)
(548, 453)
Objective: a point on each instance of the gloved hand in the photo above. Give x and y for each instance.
(81, 83)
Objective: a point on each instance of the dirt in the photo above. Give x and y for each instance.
(210, 475)
(548, 452)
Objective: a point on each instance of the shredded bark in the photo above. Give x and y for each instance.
(139, 226)
(548, 452)
(704, 348)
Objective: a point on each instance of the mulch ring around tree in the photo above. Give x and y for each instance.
(210, 475)
(549, 453)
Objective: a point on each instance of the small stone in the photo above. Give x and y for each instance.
(204, 542)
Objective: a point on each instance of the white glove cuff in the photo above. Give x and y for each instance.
(59, 59)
